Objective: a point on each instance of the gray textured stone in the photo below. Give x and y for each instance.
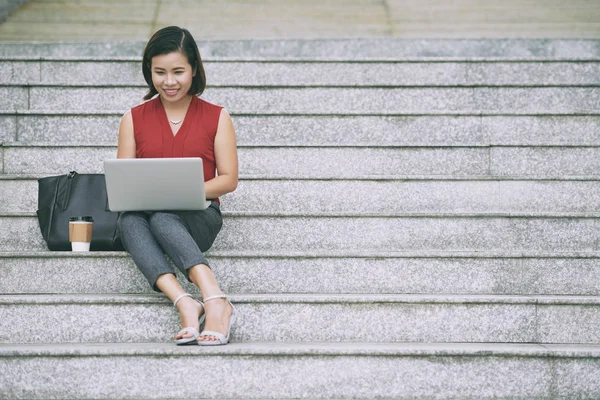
(115, 273)
(110, 273)
(533, 73)
(283, 130)
(8, 128)
(20, 72)
(92, 73)
(359, 130)
(577, 379)
(337, 49)
(414, 197)
(18, 195)
(312, 373)
(422, 369)
(274, 162)
(391, 318)
(68, 128)
(278, 235)
(399, 234)
(317, 74)
(306, 197)
(521, 350)
(542, 130)
(564, 161)
(70, 50)
(20, 233)
(418, 130)
(583, 324)
(305, 73)
(536, 100)
(373, 131)
(56, 160)
(83, 99)
(362, 101)
(14, 98)
(362, 162)
(561, 276)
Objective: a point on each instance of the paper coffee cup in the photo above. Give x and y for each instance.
(80, 233)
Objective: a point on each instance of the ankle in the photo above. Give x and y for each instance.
(187, 303)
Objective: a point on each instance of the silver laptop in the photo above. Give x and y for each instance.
(151, 184)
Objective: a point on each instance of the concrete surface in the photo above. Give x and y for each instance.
(211, 19)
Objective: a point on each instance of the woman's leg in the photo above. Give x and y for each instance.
(137, 239)
(217, 311)
(148, 256)
(189, 309)
(184, 235)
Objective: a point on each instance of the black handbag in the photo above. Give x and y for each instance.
(73, 195)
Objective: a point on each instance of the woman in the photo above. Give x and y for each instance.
(174, 122)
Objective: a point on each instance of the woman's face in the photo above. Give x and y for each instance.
(172, 76)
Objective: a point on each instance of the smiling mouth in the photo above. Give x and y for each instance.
(171, 91)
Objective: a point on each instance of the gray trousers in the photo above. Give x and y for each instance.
(182, 235)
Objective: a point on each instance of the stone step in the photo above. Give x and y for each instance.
(272, 161)
(323, 49)
(500, 273)
(466, 73)
(391, 198)
(301, 370)
(310, 318)
(336, 162)
(276, 235)
(328, 101)
(374, 131)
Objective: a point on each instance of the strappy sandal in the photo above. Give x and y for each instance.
(221, 339)
(194, 338)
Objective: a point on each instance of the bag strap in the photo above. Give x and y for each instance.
(67, 196)
(52, 212)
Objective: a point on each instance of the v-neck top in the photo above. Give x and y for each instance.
(195, 138)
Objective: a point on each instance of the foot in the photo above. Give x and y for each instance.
(218, 312)
(189, 312)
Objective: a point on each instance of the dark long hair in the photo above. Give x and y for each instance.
(168, 40)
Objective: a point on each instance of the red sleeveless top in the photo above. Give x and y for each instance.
(195, 138)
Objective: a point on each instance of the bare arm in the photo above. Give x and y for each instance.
(127, 146)
(226, 159)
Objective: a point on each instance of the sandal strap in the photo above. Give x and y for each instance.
(181, 297)
(222, 338)
(219, 296)
(189, 329)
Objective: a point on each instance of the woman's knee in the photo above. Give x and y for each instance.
(163, 222)
(129, 222)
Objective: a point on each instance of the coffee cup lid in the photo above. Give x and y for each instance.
(83, 219)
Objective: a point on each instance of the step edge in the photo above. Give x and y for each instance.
(283, 349)
(391, 178)
(375, 215)
(395, 299)
(322, 255)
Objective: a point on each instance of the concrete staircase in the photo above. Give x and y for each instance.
(415, 219)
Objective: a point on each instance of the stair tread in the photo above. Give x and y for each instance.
(41, 299)
(324, 254)
(306, 349)
(322, 49)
